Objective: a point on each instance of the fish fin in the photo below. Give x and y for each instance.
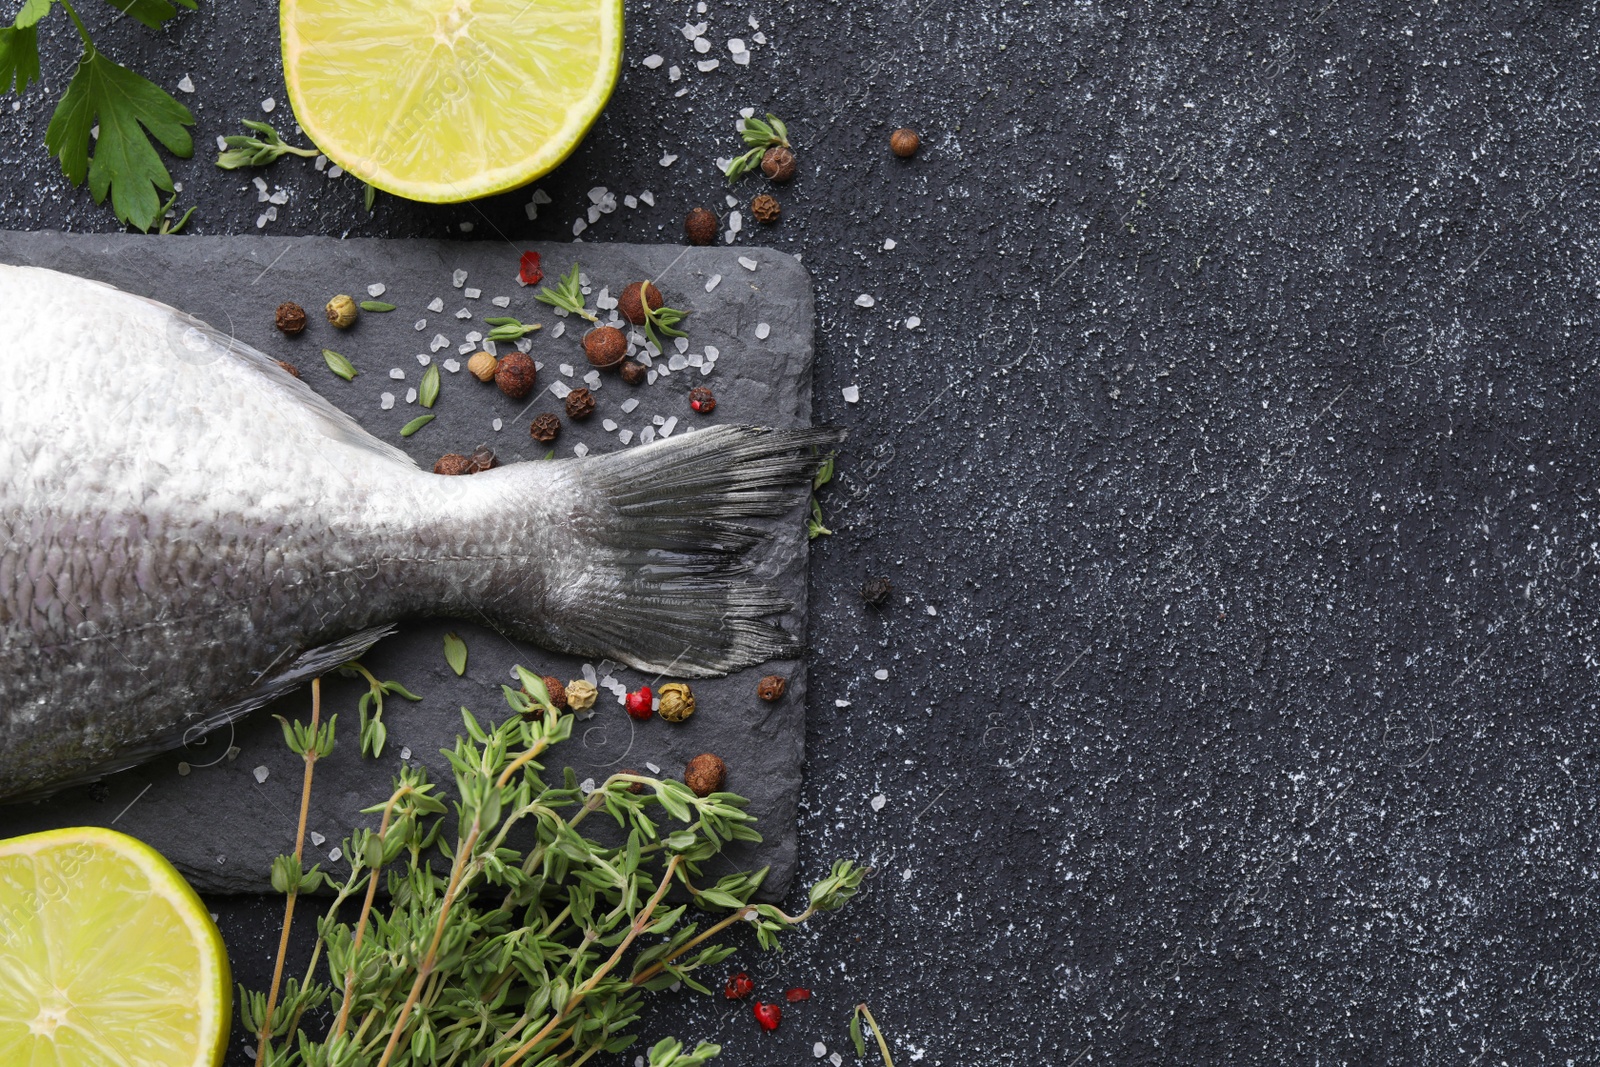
(665, 546)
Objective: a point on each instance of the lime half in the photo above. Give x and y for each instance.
(448, 100)
(107, 957)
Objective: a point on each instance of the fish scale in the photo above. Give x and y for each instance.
(189, 531)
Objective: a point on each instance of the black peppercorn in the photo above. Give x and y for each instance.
(702, 400)
(544, 428)
(766, 208)
(580, 404)
(482, 459)
(634, 372)
(453, 463)
(876, 591)
(290, 318)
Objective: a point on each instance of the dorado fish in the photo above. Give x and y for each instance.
(187, 531)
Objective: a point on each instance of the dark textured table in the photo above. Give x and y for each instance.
(1238, 487)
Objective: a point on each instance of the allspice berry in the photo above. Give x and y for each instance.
(288, 368)
(482, 366)
(581, 695)
(515, 375)
(766, 208)
(700, 226)
(778, 164)
(634, 372)
(675, 702)
(452, 463)
(605, 346)
(290, 318)
(544, 428)
(342, 311)
(904, 142)
(631, 302)
(876, 591)
(580, 404)
(558, 692)
(771, 687)
(705, 774)
(702, 400)
(632, 787)
(482, 459)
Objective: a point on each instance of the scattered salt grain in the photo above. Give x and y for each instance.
(712, 352)
(735, 222)
(268, 105)
(647, 435)
(888, 244)
(932, 610)
(913, 322)
(439, 341)
(497, 424)
(708, 65)
(881, 674)
(386, 401)
(741, 59)
(747, 263)
(463, 313)
(452, 365)
(878, 802)
(851, 394)
(474, 336)
(707, 369)
(411, 396)
(335, 171)
(186, 84)
(501, 301)
(670, 425)
(763, 331)
(222, 142)
(423, 359)
(317, 839)
(587, 785)
(320, 164)
(653, 61)
(472, 294)
(682, 344)
(397, 374)
(458, 279)
(841, 703)
(566, 369)
(436, 304)
(630, 201)
(866, 300)
(524, 344)
(625, 436)
(281, 196)
(592, 380)
(836, 1059)
(608, 425)
(673, 75)
(692, 32)
(650, 378)
(819, 1050)
(465, 347)
(578, 226)
(261, 774)
(697, 359)
(668, 160)
(183, 770)
(559, 390)
(760, 38)
(702, 46)
(405, 752)
(713, 281)
(336, 855)
(560, 328)
(736, 45)
(466, 227)
(580, 449)
(377, 289)
(629, 404)
(677, 362)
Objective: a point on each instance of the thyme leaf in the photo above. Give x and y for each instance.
(567, 295)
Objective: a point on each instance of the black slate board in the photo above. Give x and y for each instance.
(221, 815)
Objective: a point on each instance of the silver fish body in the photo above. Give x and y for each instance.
(186, 531)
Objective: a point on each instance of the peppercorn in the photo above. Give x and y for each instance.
(544, 428)
(633, 372)
(605, 346)
(452, 463)
(705, 774)
(904, 142)
(876, 591)
(633, 299)
(482, 459)
(558, 692)
(632, 787)
(482, 366)
(581, 695)
(290, 318)
(700, 226)
(289, 368)
(676, 702)
(778, 164)
(641, 703)
(580, 404)
(771, 687)
(765, 208)
(515, 375)
(702, 400)
(342, 311)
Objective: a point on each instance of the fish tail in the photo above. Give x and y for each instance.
(665, 581)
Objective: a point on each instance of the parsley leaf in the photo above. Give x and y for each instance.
(124, 163)
(150, 12)
(19, 57)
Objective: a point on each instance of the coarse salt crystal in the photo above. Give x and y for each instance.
(674, 74)
(747, 263)
(411, 396)
(878, 802)
(497, 424)
(458, 279)
(452, 365)
(335, 855)
(735, 222)
(697, 359)
(629, 404)
(708, 65)
(466, 227)
(866, 300)
(608, 425)
(560, 389)
(463, 313)
(186, 84)
(841, 703)
(647, 435)
(261, 774)
(763, 331)
(851, 394)
(261, 222)
(647, 197)
(760, 38)
(682, 344)
(465, 347)
(501, 301)
(625, 436)
(279, 197)
(320, 164)
(335, 171)
(650, 378)
(819, 1050)
(707, 369)
(317, 839)
(741, 59)
(423, 359)
(668, 160)
(836, 1059)
(386, 401)
(713, 281)
(652, 61)
(913, 322)
(268, 105)
(592, 380)
(630, 201)
(580, 449)
(657, 420)
(677, 362)
(881, 674)
(670, 425)
(397, 374)
(888, 244)
(566, 369)
(560, 328)
(932, 610)
(578, 226)
(472, 294)
(524, 344)
(736, 45)
(377, 289)
(405, 752)
(439, 341)
(702, 46)
(436, 304)
(474, 335)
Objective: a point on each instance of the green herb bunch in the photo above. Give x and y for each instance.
(660, 322)
(530, 943)
(127, 108)
(760, 136)
(567, 295)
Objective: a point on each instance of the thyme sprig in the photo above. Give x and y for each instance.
(370, 707)
(244, 151)
(760, 136)
(532, 944)
(824, 475)
(567, 295)
(660, 322)
(506, 328)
